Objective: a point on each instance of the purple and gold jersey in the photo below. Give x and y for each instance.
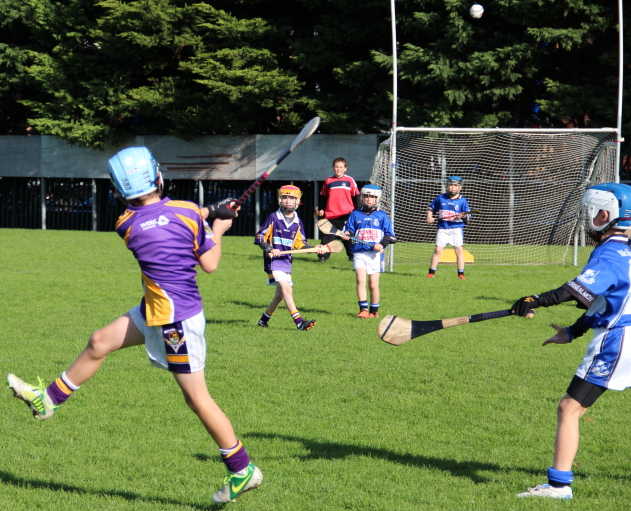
(448, 209)
(283, 234)
(167, 239)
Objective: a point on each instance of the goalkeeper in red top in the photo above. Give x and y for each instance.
(451, 208)
(338, 198)
(169, 239)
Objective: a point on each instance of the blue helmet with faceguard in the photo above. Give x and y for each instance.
(134, 172)
(372, 191)
(615, 199)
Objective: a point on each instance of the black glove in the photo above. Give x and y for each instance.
(220, 209)
(522, 306)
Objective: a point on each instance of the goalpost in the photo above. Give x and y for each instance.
(527, 183)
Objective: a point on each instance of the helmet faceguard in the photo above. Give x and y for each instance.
(371, 191)
(289, 195)
(454, 180)
(134, 172)
(615, 199)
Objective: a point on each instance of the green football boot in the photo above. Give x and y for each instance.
(235, 484)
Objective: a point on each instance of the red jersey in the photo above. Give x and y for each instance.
(339, 192)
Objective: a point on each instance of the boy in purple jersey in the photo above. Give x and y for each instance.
(604, 289)
(451, 208)
(283, 230)
(168, 238)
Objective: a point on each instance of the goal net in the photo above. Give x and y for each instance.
(527, 184)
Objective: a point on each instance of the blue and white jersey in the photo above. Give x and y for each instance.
(447, 209)
(369, 226)
(604, 286)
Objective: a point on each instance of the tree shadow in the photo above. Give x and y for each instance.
(39, 484)
(226, 321)
(329, 451)
(259, 307)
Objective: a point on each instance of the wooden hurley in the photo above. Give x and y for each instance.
(334, 247)
(397, 331)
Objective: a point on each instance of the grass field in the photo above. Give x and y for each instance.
(461, 419)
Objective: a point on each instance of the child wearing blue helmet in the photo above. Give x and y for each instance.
(603, 288)
(452, 208)
(169, 239)
(372, 225)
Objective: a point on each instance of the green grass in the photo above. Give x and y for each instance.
(461, 419)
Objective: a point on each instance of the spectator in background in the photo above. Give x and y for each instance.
(338, 198)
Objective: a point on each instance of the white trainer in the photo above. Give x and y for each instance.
(546, 490)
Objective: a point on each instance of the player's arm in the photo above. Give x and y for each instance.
(565, 335)
(430, 216)
(569, 291)
(209, 261)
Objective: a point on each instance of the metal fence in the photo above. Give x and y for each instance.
(89, 204)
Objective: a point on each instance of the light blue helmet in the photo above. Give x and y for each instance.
(454, 180)
(134, 172)
(372, 190)
(615, 198)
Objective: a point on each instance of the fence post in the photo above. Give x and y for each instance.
(42, 200)
(316, 231)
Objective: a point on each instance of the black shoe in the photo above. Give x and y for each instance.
(307, 324)
(263, 324)
(322, 259)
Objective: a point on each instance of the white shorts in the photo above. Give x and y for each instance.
(179, 347)
(279, 276)
(372, 261)
(451, 237)
(607, 362)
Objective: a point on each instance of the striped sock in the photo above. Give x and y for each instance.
(61, 389)
(235, 458)
(266, 317)
(363, 306)
(374, 308)
(296, 317)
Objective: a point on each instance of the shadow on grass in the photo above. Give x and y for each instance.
(330, 451)
(226, 321)
(260, 307)
(38, 484)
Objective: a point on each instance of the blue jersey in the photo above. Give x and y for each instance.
(283, 234)
(604, 287)
(605, 284)
(369, 226)
(447, 209)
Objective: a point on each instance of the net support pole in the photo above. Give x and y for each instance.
(316, 231)
(393, 136)
(43, 201)
(620, 90)
(200, 193)
(95, 218)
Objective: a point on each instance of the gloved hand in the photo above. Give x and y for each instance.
(522, 306)
(220, 209)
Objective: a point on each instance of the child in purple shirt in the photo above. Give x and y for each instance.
(168, 238)
(282, 231)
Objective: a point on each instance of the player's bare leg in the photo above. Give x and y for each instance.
(569, 413)
(375, 295)
(362, 301)
(121, 333)
(460, 261)
(288, 296)
(434, 262)
(198, 399)
(43, 402)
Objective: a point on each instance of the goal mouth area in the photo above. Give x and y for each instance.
(528, 184)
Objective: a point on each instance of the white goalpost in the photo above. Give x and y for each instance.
(527, 183)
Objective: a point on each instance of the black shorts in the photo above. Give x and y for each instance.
(584, 392)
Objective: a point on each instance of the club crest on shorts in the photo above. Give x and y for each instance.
(602, 369)
(589, 276)
(173, 337)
